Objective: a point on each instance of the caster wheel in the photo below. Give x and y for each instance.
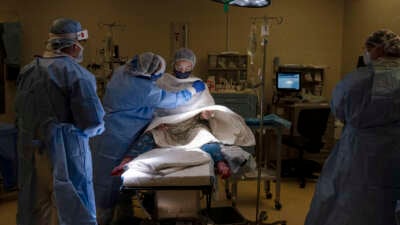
(268, 196)
(278, 206)
(228, 195)
(263, 216)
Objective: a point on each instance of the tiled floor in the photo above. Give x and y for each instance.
(295, 203)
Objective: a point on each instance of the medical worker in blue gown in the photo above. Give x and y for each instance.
(360, 181)
(130, 100)
(57, 111)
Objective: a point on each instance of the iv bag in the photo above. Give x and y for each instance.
(252, 45)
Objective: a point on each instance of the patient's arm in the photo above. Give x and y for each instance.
(118, 170)
(143, 144)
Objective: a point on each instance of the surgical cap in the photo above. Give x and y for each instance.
(59, 28)
(147, 64)
(64, 26)
(386, 38)
(185, 54)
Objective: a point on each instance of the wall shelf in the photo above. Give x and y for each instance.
(231, 67)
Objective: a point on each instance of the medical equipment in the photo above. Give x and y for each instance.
(271, 123)
(252, 46)
(288, 81)
(245, 3)
(110, 50)
(265, 32)
(264, 35)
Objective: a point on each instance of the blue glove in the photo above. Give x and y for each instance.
(199, 86)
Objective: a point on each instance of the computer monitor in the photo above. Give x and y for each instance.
(288, 81)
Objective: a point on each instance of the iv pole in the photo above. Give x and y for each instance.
(109, 43)
(261, 85)
(277, 20)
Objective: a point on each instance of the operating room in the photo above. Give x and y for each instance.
(241, 55)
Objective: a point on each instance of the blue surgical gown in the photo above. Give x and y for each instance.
(360, 181)
(56, 93)
(129, 101)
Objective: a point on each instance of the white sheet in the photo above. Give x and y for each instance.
(162, 161)
(178, 167)
(226, 126)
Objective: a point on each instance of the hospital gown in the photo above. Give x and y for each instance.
(360, 181)
(57, 111)
(129, 101)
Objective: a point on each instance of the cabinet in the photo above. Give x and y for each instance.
(230, 68)
(243, 104)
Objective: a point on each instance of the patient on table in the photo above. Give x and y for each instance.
(179, 134)
(197, 125)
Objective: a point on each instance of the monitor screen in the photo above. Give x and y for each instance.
(288, 81)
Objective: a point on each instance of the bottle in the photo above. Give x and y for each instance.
(211, 83)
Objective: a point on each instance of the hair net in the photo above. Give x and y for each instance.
(63, 33)
(185, 54)
(147, 64)
(386, 38)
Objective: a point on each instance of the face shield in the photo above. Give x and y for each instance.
(56, 42)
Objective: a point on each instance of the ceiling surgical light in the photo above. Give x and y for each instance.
(246, 3)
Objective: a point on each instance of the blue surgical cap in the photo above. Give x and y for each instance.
(64, 26)
(185, 54)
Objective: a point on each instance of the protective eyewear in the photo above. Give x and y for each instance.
(183, 68)
(82, 35)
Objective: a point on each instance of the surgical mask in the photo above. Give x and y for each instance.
(181, 75)
(367, 58)
(79, 58)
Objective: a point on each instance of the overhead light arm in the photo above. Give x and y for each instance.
(245, 3)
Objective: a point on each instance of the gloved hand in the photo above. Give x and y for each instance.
(117, 171)
(199, 86)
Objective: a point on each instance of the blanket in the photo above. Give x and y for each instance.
(225, 125)
(173, 154)
(163, 161)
